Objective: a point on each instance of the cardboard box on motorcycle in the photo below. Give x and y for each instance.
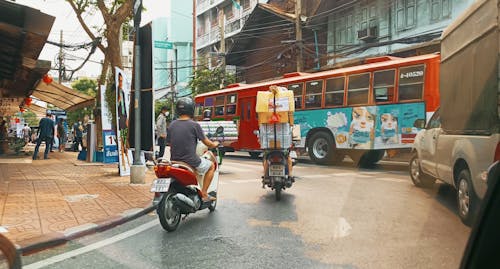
(276, 105)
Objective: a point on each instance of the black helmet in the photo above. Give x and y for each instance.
(185, 106)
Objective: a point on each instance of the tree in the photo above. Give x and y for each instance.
(86, 86)
(30, 118)
(114, 13)
(206, 80)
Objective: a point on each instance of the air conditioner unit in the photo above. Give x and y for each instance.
(367, 34)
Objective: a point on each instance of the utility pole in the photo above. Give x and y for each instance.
(298, 34)
(172, 87)
(137, 169)
(61, 59)
(222, 44)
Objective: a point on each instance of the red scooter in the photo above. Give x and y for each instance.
(177, 190)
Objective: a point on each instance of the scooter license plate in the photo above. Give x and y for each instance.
(160, 185)
(277, 170)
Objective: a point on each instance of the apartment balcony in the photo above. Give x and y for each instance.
(232, 27)
(203, 5)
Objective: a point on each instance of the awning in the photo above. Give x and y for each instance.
(38, 110)
(61, 96)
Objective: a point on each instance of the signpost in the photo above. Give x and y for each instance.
(163, 44)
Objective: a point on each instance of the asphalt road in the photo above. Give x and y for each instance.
(333, 217)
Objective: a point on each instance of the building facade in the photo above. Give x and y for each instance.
(172, 49)
(337, 33)
(208, 30)
(384, 27)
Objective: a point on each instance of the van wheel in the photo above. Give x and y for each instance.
(466, 198)
(321, 148)
(418, 178)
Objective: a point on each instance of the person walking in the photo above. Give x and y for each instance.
(161, 129)
(26, 133)
(78, 134)
(61, 135)
(45, 133)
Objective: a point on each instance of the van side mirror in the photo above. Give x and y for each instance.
(419, 123)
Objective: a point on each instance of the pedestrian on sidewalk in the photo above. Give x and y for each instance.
(26, 133)
(161, 130)
(61, 135)
(78, 134)
(45, 133)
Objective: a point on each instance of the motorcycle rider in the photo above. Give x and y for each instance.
(182, 136)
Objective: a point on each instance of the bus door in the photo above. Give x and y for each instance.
(248, 124)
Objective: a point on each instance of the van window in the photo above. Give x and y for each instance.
(357, 93)
(383, 86)
(314, 94)
(334, 95)
(411, 82)
(297, 92)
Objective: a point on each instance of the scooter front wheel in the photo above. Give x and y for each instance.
(168, 213)
(212, 206)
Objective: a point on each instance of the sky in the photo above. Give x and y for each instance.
(73, 33)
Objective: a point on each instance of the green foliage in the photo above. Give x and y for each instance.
(86, 86)
(206, 80)
(30, 118)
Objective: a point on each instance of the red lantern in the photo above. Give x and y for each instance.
(22, 109)
(18, 120)
(47, 79)
(27, 101)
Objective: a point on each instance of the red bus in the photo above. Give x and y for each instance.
(358, 111)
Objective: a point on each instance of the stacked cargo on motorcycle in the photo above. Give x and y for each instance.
(278, 135)
(275, 114)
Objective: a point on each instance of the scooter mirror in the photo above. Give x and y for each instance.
(219, 130)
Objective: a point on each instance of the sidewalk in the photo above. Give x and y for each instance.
(43, 199)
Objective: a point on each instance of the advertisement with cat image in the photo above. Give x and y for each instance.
(366, 127)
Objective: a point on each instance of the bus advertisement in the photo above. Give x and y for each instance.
(359, 111)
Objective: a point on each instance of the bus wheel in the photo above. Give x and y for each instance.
(370, 158)
(254, 155)
(321, 148)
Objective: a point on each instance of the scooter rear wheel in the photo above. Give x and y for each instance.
(169, 215)
(277, 192)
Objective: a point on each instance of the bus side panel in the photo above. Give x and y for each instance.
(366, 127)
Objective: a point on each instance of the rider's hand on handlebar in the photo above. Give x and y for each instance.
(215, 144)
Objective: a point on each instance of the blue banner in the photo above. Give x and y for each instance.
(110, 146)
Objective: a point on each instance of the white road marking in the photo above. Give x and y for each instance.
(91, 247)
(342, 229)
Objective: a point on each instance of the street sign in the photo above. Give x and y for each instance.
(163, 44)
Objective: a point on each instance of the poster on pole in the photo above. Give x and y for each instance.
(110, 145)
(122, 122)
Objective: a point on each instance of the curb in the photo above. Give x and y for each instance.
(36, 244)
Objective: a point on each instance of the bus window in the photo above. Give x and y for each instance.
(411, 82)
(231, 104)
(383, 86)
(297, 92)
(334, 95)
(219, 105)
(357, 93)
(198, 109)
(314, 93)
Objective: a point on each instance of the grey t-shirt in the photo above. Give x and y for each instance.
(183, 135)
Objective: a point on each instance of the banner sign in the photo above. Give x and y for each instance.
(110, 146)
(122, 113)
